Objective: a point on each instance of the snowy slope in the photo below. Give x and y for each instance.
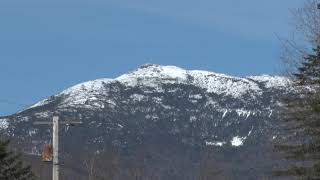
(151, 75)
(244, 106)
(162, 109)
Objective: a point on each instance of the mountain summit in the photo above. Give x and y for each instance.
(154, 76)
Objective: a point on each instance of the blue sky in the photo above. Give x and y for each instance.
(46, 46)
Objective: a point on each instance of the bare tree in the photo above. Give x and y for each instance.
(305, 36)
(90, 165)
(102, 165)
(300, 112)
(308, 21)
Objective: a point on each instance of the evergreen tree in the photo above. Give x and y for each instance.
(11, 167)
(302, 120)
(309, 71)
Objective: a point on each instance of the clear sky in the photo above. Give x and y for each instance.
(46, 46)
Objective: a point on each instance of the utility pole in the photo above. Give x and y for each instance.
(55, 139)
(55, 136)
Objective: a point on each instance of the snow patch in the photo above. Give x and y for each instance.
(120, 126)
(152, 75)
(223, 84)
(242, 112)
(98, 105)
(195, 96)
(94, 85)
(250, 131)
(272, 81)
(32, 132)
(40, 103)
(42, 114)
(88, 91)
(149, 74)
(225, 113)
(4, 124)
(157, 99)
(166, 106)
(217, 143)
(193, 118)
(271, 112)
(238, 141)
(137, 97)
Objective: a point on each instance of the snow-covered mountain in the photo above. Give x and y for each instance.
(155, 103)
(154, 76)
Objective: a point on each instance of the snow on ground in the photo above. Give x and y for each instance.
(237, 141)
(94, 85)
(4, 124)
(195, 96)
(40, 103)
(217, 143)
(87, 91)
(80, 93)
(242, 112)
(151, 75)
(137, 97)
(42, 114)
(32, 132)
(193, 118)
(225, 113)
(223, 84)
(271, 81)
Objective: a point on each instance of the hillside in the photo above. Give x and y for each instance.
(171, 118)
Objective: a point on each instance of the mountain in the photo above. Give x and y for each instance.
(162, 113)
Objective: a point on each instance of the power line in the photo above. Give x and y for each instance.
(55, 137)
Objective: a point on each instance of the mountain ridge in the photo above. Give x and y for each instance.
(152, 73)
(155, 107)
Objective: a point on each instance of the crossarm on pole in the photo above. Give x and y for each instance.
(61, 122)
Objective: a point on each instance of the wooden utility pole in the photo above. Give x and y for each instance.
(55, 139)
(55, 136)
